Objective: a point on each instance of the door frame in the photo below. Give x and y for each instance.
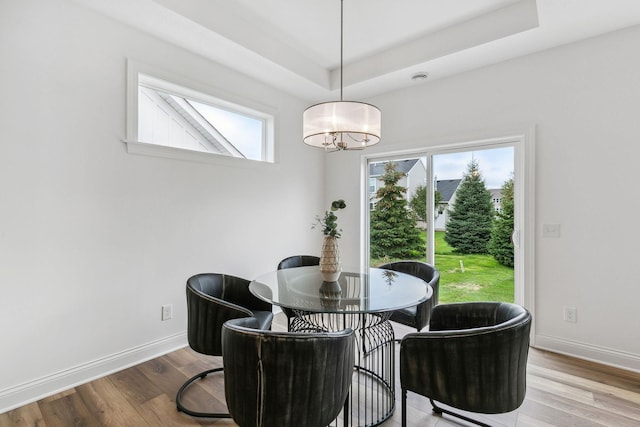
(524, 202)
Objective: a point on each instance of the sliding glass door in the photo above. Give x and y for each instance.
(455, 208)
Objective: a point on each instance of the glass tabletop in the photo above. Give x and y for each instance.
(371, 290)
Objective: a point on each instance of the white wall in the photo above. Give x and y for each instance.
(93, 241)
(584, 100)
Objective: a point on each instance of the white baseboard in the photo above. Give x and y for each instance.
(22, 394)
(603, 355)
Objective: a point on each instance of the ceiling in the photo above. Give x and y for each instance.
(295, 44)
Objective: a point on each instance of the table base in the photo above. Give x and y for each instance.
(372, 395)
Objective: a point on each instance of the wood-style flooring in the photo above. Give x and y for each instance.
(561, 391)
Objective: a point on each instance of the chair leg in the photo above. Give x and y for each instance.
(182, 408)
(435, 407)
(438, 410)
(346, 415)
(404, 408)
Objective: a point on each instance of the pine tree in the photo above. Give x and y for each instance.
(500, 245)
(469, 228)
(393, 229)
(418, 202)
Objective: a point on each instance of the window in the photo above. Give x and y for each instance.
(168, 119)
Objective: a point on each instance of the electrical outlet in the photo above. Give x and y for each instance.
(570, 314)
(167, 311)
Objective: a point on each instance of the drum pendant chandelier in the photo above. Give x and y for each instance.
(341, 125)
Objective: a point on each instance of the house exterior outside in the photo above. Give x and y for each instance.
(496, 198)
(415, 175)
(170, 120)
(448, 189)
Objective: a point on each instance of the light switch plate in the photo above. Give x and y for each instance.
(551, 230)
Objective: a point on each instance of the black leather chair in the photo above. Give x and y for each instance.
(212, 299)
(285, 379)
(473, 358)
(417, 316)
(292, 262)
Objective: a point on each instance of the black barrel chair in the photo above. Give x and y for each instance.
(473, 358)
(285, 379)
(212, 299)
(292, 262)
(417, 316)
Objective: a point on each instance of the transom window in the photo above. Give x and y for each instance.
(178, 117)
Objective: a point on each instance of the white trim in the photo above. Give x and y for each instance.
(597, 354)
(364, 213)
(166, 152)
(527, 220)
(149, 76)
(31, 391)
(431, 237)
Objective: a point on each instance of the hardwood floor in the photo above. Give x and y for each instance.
(561, 391)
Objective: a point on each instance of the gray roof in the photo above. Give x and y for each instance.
(496, 193)
(447, 187)
(404, 166)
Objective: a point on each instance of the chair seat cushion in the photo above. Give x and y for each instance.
(405, 316)
(264, 319)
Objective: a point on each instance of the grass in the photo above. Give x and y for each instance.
(468, 277)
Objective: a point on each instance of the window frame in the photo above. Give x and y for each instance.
(155, 78)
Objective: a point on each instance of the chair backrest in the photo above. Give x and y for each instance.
(284, 378)
(473, 357)
(212, 299)
(298, 261)
(477, 315)
(292, 262)
(425, 271)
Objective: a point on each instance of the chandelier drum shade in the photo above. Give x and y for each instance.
(341, 125)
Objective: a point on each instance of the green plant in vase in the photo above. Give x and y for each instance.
(329, 223)
(330, 257)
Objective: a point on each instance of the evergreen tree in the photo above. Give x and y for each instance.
(469, 227)
(393, 229)
(418, 203)
(500, 245)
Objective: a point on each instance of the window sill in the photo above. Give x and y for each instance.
(155, 150)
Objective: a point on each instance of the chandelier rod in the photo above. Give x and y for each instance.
(341, 42)
(334, 124)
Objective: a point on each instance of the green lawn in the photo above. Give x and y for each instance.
(483, 279)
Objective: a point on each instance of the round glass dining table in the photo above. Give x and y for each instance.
(371, 290)
(363, 300)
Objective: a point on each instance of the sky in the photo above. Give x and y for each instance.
(244, 132)
(496, 165)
